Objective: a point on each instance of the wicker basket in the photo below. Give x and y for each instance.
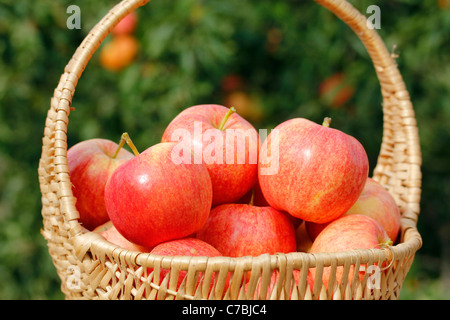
(92, 268)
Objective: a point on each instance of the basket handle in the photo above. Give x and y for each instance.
(398, 166)
(399, 162)
(53, 169)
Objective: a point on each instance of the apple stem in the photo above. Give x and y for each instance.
(125, 138)
(225, 118)
(252, 197)
(326, 122)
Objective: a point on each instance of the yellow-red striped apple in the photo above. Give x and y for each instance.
(321, 170)
(238, 230)
(376, 202)
(348, 233)
(91, 163)
(224, 141)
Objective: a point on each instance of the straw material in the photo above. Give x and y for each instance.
(92, 268)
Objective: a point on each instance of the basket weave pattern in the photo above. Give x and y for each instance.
(92, 268)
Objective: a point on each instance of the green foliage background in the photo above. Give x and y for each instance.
(186, 49)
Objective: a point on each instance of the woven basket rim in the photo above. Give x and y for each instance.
(98, 244)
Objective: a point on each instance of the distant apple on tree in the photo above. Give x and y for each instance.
(336, 90)
(127, 25)
(119, 52)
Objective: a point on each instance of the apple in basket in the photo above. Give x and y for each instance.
(110, 233)
(348, 233)
(321, 170)
(238, 230)
(376, 202)
(223, 140)
(91, 163)
(151, 199)
(184, 247)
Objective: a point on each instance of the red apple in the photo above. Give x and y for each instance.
(238, 230)
(376, 202)
(321, 170)
(110, 233)
(150, 199)
(224, 141)
(91, 163)
(127, 25)
(348, 233)
(184, 247)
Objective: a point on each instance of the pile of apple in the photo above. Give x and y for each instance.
(164, 201)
